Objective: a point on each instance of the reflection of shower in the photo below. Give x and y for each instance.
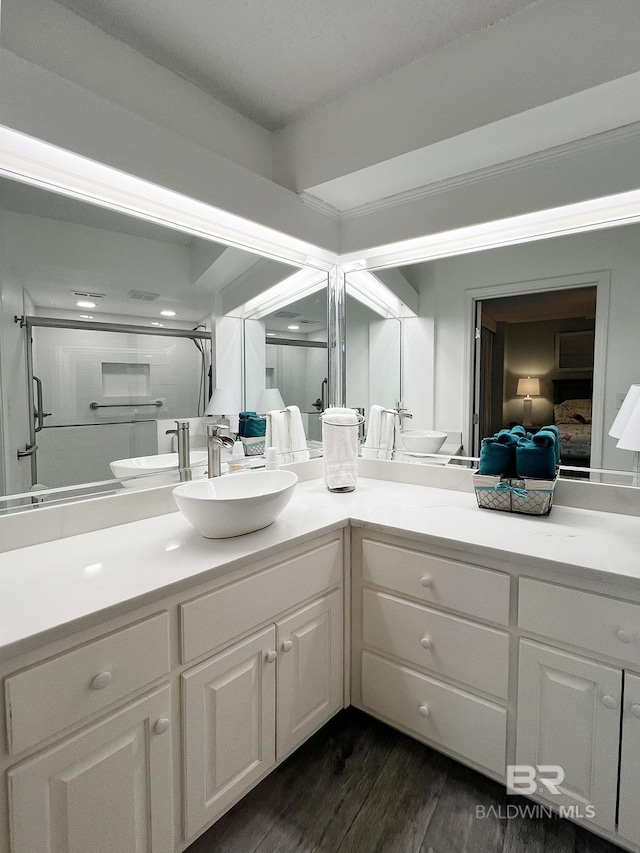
(202, 396)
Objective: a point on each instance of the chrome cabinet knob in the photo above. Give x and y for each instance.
(426, 643)
(101, 681)
(423, 710)
(425, 581)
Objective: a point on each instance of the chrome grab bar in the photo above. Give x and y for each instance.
(29, 451)
(156, 403)
(39, 413)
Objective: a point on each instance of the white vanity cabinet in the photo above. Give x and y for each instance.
(250, 704)
(579, 707)
(138, 732)
(93, 776)
(107, 789)
(430, 653)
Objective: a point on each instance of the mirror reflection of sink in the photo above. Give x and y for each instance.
(165, 465)
(422, 441)
(235, 504)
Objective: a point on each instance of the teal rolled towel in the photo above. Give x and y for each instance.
(496, 458)
(546, 437)
(535, 460)
(519, 431)
(556, 432)
(505, 436)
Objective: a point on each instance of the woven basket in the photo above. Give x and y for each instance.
(523, 495)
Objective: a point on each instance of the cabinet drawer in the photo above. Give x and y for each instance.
(478, 592)
(465, 724)
(56, 694)
(217, 618)
(605, 625)
(457, 648)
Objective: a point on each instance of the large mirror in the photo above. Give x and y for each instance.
(285, 350)
(564, 312)
(119, 332)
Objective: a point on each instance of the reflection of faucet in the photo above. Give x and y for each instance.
(318, 405)
(184, 449)
(401, 413)
(215, 442)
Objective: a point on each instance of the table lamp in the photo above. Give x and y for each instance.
(626, 428)
(527, 388)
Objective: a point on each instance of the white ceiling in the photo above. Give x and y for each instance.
(275, 61)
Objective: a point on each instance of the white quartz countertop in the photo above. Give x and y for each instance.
(52, 589)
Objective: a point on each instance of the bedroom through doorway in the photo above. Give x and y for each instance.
(534, 363)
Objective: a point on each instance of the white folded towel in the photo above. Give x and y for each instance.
(297, 438)
(381, 434)
(286, 433)
(340, 448)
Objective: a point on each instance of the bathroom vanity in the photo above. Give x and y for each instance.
(163, 675)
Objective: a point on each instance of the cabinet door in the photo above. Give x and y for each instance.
(105, 790)
(310, 670)
(629, 808)
(569, 716)
(229, 726)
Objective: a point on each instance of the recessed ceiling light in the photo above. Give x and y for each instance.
(157, 324)
(86, 317)
(293, 328)
(83, 303)
(167, 313)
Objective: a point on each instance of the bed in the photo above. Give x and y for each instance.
(572, 415)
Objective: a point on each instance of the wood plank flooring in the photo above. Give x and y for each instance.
(358, 786)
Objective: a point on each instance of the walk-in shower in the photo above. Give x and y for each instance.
(100, 392)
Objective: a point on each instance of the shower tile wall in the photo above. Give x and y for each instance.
(77, 367)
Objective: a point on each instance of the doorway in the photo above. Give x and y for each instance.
(543, 343)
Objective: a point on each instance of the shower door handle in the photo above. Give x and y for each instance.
(38, 413)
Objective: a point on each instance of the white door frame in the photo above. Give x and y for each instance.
(601, 280)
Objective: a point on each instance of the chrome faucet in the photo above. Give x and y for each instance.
(215, 442)
(184, 449)
(401, 413)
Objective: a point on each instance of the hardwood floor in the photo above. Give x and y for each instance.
(358, 786)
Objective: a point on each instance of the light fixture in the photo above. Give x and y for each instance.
(223, 402)
(167, 313)
(84, 303)
(527, 388)
(626, 428)
(293, 328)
(269, 400)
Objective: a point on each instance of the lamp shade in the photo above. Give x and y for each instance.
(528, 387)
(224, 401)
(269, 399)
(626, 410)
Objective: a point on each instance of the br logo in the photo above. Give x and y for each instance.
(534, 779)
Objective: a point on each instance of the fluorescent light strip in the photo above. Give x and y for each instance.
(370, 291)
(594, 214)
(41, 164)
(290, 289)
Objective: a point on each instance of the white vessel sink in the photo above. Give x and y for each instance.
(422, 441)
(165, 465)
(235, 504)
